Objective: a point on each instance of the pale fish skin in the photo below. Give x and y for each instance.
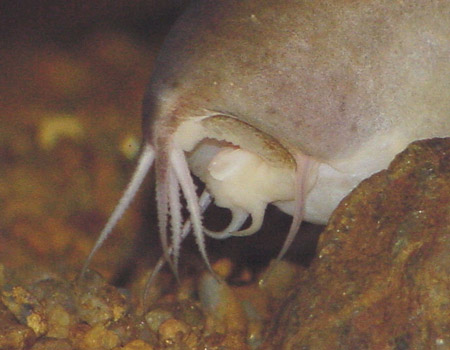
(285, 102)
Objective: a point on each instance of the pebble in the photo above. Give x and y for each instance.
(155, 317)
(171, 328)
(99, 337)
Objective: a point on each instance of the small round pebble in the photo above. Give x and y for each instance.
(155, 318)
(100, 338)
(170, 328)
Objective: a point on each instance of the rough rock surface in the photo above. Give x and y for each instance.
(382, 277)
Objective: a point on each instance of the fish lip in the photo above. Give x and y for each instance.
(228, 128)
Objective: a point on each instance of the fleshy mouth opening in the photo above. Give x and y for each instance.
(240, 181)
(243, 169)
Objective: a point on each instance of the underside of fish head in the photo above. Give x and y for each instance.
(345, 84)
(286, 102)
(293, 102)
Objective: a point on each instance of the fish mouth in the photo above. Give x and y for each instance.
(242, 168)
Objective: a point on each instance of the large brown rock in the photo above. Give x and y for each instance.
(382, 276)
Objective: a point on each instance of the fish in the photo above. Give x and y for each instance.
(289, 103)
